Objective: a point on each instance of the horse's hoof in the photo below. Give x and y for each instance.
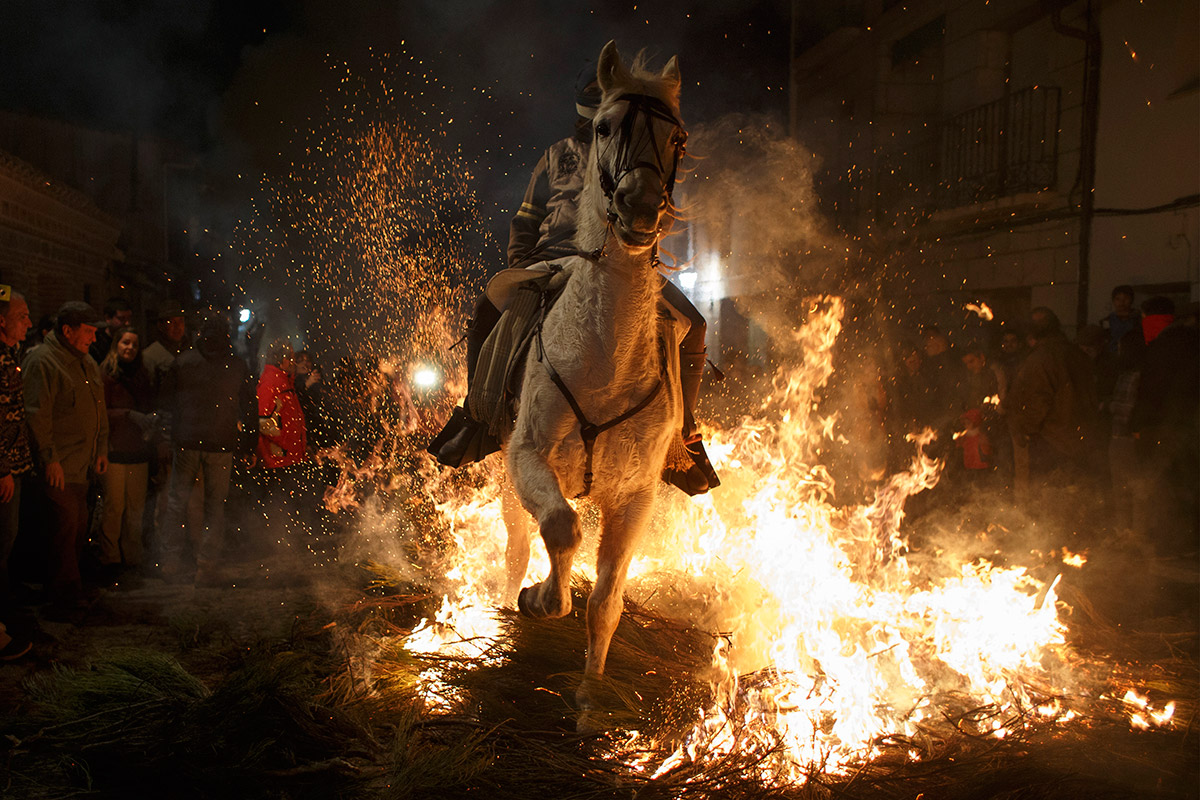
(592, 718)
(524, 603)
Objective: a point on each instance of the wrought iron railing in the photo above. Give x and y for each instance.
(1000, 149)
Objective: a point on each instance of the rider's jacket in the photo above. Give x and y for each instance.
(544, 227)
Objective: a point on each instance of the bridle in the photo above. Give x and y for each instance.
(646, 109)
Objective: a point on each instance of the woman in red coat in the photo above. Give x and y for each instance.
(282, 437)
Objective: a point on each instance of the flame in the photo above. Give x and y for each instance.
(1143, 715)
(982, 310)
(1076, 560)
(836, 640)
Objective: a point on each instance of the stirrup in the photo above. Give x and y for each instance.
(463, 441)
(699, 478)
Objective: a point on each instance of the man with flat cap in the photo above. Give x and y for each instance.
(64, 403)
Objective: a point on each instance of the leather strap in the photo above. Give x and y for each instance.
(588, 430)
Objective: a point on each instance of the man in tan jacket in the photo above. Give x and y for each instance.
(64, 403)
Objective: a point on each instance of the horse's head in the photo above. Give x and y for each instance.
(638, 140)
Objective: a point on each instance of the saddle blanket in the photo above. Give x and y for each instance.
(518, 294)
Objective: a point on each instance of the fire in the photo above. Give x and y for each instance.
(1076, 560)
(836, 640)
(835, 637)
(1143, 715)
(982, 310)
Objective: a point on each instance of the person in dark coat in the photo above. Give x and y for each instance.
(310, 388)
(1052, 405)
(1123, 319)
(543, 230)
(129, 398)
(210, 399)
(117, 314)
(1166, 423)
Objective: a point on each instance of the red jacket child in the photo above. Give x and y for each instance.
(975, 445)
(277, 398)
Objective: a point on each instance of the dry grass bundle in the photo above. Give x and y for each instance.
(336, 709)
(517, 715)
(136, 724)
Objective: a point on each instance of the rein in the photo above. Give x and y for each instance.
(588, 430)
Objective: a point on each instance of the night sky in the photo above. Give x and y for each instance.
(235, 80)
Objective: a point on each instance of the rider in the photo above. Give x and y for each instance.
(543, 230)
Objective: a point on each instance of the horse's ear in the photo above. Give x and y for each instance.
(610, 70)
(671, 71)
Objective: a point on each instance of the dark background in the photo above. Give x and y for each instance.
(234, 81)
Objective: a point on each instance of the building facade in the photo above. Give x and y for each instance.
(1022, 153)
(55, 244)
(88, 214)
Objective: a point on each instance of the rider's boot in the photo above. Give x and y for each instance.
(465, 439)
(700, 476)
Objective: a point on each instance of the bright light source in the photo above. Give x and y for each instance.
(687, 280)
(244, 315)
(425, 377)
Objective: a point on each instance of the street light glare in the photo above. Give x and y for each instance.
(425, 377)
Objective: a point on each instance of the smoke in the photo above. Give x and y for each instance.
(750, 194)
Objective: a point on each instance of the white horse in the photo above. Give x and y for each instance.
(600, 369)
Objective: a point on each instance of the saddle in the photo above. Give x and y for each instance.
(525, 296)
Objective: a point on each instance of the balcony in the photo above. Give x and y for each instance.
(1000, 149)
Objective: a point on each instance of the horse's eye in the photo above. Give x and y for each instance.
(602, 128)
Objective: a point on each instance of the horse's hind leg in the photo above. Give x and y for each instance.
(516, 552)
(622, 527)
(539, 491)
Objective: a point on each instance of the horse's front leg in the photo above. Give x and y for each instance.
(538, 488)
(621, 528)
(516, 551)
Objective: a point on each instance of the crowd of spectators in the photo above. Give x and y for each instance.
(1104, 422)
(117, 457)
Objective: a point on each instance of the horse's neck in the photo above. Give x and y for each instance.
(621, 291)
(621, 304)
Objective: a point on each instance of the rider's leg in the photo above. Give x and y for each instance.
(692, 354)
(459, 441)
(485, 319)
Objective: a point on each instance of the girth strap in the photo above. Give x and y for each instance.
(587, 430)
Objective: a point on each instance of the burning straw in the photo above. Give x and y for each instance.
(841, 658)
